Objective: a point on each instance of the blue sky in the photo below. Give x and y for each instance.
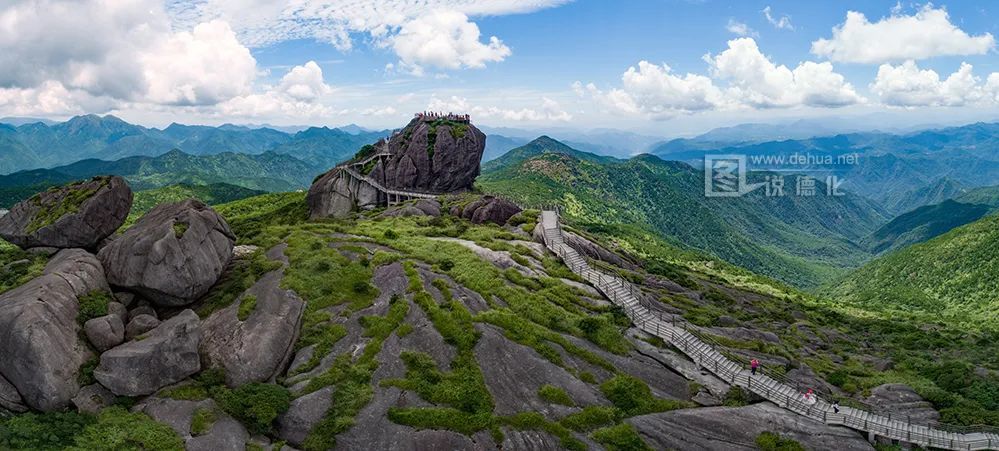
(665, 67)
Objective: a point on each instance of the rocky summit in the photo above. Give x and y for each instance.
(76, 215)
(435, 155)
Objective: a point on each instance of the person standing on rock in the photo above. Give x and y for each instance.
(753, 365)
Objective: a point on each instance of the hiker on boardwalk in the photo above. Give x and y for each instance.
(753, 365)
(835, 406)
(809, 397)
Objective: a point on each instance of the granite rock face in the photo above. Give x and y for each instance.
(76, 215)
(430, 156)
(901, 401)
(39, 335)
(259, 347)
(105, 332)
(172, 255)
(736, 428)
(166, 355)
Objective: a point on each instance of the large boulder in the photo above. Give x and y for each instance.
(490, 209)
(304, 414)
(901, 401)
(428, 155)
(258, 347)
(105, 332)
(39, 335)
(172, 255)
(76, 215)
(165, 355)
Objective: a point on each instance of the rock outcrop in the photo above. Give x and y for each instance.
(39, 334)
(258, 347)
(432, 156)
(105, 332)
(488, 209)
(165, 355)
(901, 401)
(172, 255)
(76, 215)
(736, 428)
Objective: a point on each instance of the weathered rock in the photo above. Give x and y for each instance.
(10, 399)
(92, 398)
(225, 434)
(514, 373)
(142, 310)
(125, 298)
(736, 428)
(90, 211)
(901, 401)
(429, 206)
(172, 255)
(258, 348)
(105, 332)
(140, 325)
(425, 156)
(595, 251)
(490, 209)
(167, 355)
(39, 335)
(305, 412)
(118, 310)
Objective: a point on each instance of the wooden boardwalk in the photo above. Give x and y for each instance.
(675, 331)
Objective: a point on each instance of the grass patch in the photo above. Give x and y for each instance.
(622, 437)
(771, 441)
(93, 305)
(118, 429)
(633, 397)
(246, 307)
(203, 421)
(592, 417)
(555, 395)
(242, 274)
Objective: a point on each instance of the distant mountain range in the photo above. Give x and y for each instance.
(900, 172)
(800, 240)
(33, 144)
(268, 171)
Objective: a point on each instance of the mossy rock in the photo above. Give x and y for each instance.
(77, 215)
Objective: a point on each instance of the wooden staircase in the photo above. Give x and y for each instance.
(677, 332)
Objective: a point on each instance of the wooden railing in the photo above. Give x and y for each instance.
(769, 385)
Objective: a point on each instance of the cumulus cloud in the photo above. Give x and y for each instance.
(134, 57)
(739, 77)
(397, 24)
(925, 34)
(906, 85)
(548, 111)
(757, 81)
(305, 82)
(783, 22)
(298, 95)
(740, 29)
(446, 40)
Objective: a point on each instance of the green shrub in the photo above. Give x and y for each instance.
(769, 441)
(48, 431)
(117, 429)
(179, 229)
(555, 395)
(633, 397)
(93, 305)
(622, 437)
(736, 397)
(255, 405)
(390, 234)
(86, 376)
(187, 392)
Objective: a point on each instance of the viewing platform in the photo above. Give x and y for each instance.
(430, 116)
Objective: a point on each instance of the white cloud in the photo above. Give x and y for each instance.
(756, 81)
(445, 40)
(781, 23)
(907, 85)
(740, 29)
(925, 34)
(264, 22)
(305, 82)
(739, 77)
(120, 50)
(202, 67)
(549, 111)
